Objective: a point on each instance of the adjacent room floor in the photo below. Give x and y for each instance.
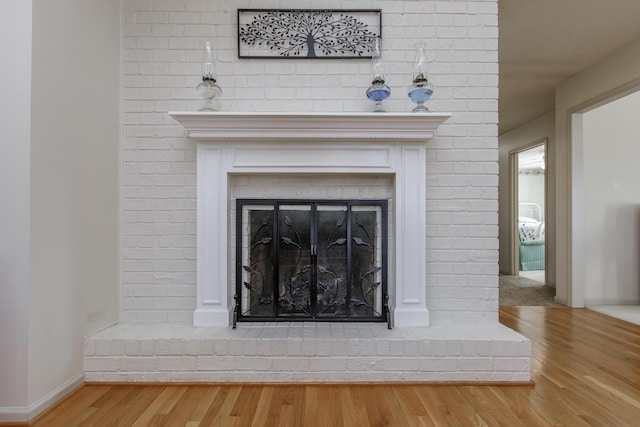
(537, 275)
(528, 289)
(630, 313)
(523, 291)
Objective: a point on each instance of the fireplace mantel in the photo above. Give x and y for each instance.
(386, 144)
(400, 127)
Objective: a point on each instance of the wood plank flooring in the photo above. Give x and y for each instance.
(586, 369)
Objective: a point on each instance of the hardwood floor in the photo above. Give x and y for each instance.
(586, 368)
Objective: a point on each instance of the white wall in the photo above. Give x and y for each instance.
(514, 140)
(74, 185)
(60, 217)
(612, 202)
(163, 49)
(617, 74)
(15, 105)
(531, 189)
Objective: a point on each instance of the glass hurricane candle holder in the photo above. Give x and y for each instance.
(208, 89)
(420, 90)
(378, 91)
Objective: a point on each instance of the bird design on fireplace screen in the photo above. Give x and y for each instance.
(311, 260)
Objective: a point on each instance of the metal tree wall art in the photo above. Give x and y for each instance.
(307, 33)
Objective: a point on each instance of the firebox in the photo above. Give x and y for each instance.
(311, 260)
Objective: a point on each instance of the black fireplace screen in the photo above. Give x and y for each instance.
(311, 260)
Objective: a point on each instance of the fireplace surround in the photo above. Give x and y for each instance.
(328, 144)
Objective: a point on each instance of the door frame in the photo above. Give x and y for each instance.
(514, 241)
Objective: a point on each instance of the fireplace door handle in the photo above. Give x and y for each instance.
(314, 250)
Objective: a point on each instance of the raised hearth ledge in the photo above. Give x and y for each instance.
(307, 352)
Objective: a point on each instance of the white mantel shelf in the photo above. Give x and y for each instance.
(218, 126)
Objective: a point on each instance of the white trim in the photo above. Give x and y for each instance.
(216, 126)
(589, 302)
(14, 414)
(120, 308)
(514, 196)
(575, 295)
(28, 413)
(411, 250)
(560, 300)
(315, 143)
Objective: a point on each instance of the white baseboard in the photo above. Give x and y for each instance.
(610, 301)
(14, 414)
(562, 301)
(28, 413)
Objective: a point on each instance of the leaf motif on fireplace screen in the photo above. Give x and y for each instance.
(264, 241)
(360, 242)
(358, 302)
(340, 241)
(373, 287)
(248, 269)
(372, 271)
(288, 241)
(323, 270)
(361, 224)
(362, 303)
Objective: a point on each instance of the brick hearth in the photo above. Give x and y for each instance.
(306, 352)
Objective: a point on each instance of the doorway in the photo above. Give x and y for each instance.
(528, 183)
(606, 206)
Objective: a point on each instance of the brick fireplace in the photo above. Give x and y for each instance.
(311, 155)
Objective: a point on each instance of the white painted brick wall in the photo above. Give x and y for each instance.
(163, 42)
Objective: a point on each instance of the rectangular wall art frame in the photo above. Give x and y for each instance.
(309, 33)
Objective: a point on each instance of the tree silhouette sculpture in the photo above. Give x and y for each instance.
(293, 32)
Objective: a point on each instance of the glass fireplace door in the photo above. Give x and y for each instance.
(311, 260)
